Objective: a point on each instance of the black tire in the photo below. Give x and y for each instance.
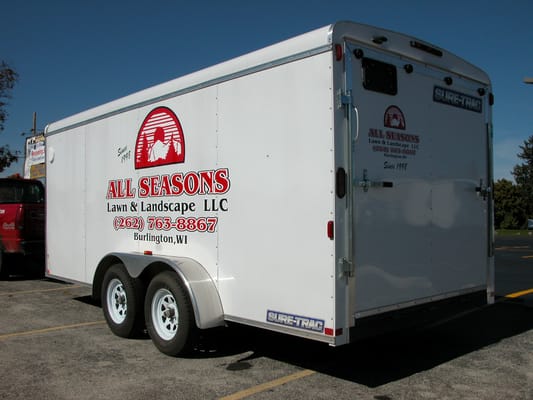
(169, 315)
(122, 301)
(4, 273)
(36, 266)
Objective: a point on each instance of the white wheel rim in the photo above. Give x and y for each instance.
(165, 314)
(117, 302)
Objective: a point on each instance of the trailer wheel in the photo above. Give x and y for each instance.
(122, 302)
(169, 315)
(3, 266)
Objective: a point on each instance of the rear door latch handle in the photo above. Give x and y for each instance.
(483, 190)
(367, 184)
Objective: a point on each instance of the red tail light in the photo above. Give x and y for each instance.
(331, 230)
(339, 53)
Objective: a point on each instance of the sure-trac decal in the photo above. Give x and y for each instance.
(165, 208)
(295, 321)
(457, 99)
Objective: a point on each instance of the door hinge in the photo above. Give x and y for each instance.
(346, 267)
(483, 190)
(344, 99)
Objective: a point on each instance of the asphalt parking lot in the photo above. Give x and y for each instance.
(54, 344)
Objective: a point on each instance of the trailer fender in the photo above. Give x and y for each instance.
(208, 312)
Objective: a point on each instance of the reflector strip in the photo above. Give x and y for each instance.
(331, 332)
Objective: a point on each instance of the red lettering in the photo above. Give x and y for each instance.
(402, 137)
(222, 182)
(177, 184)
(154, 185)
(144, 189)
(112, 190)
(192, 183)
(165, 186)
(206, 182)
(130, 192)
(375, 133)
(120, 189)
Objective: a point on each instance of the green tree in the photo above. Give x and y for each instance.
(509, 211)
(8, 78)
(523, 175)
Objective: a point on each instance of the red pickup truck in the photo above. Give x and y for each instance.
(22, 222)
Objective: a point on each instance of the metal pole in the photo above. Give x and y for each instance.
(34, 129)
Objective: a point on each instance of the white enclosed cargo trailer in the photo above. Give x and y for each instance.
(316, 187)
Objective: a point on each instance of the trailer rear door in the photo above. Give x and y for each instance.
(420, 169)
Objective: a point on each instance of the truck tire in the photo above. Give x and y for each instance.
(169, 315)
(3, 266)
(122, 302)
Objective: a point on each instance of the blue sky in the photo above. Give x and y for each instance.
(73, 55)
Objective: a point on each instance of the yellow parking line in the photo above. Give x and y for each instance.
(519, 294)
(268, 385)
(527, 256)
(52, 329)
(41, 290)
(512, 247)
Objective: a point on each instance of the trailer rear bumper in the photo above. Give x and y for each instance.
(418, 316)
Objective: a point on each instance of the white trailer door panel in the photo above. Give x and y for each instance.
(420, 170)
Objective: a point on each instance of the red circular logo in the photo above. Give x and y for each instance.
(160, 140)
(394, 118)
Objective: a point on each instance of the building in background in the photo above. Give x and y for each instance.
(34, 165)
